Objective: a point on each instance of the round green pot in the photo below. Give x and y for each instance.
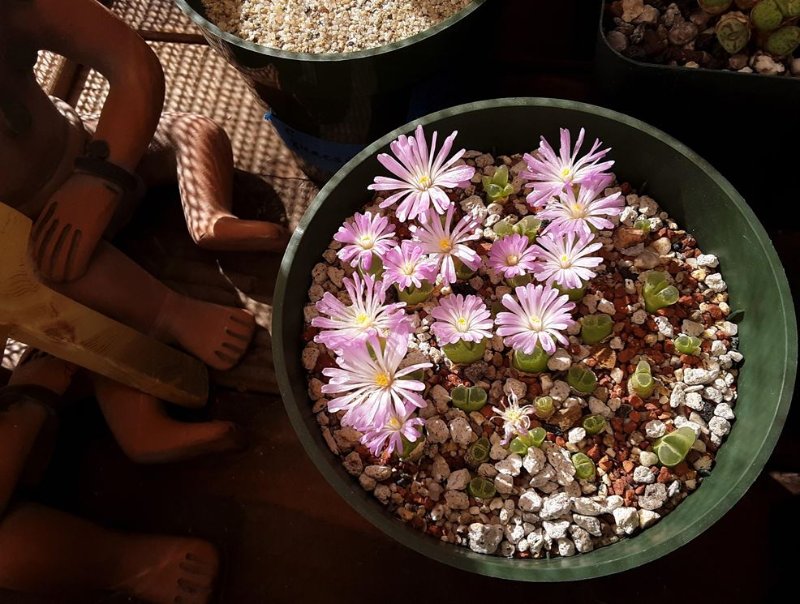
(693, 193)
(328, 107)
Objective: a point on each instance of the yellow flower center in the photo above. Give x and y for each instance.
(425, 182)
(445, 245)
(462, 324)
(565, 263)
(394, 424)
(512, 260)
(363, 320)
(408, 269)
(366, 241)
(566, 173)
(578, 211)
(534, 322)
(383, 380)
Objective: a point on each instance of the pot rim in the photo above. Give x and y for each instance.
(660, 67)
(367, 53)
(544, 569)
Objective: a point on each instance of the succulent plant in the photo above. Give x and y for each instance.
(582, 379)
(573, 294)
(415, 295)
(774, 22)
(733, 32)
(641, 382)
(497, 186)
(534, 438)
(594, 424)
(463, 272)
(478, 452)
(643, 224)
(528, 226)
(687, 344)
(519, 281)
(464, 353)
(530, 363)
(673, 447)
(715, 7)
(584, 466)
(596, 328)
(481, 488)
(783, 41)
(658, 293)
(468, 398)
(766, 15)
(543, 407)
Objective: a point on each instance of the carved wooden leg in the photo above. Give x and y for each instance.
(48, 552)
(148, 435)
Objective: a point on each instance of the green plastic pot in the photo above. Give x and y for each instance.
(328, 107)
(692, 192)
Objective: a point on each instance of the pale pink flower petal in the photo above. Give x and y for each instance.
(408, 266)
(421, 175)
(370, 384)
(538, 315)
(550, 174)
(564, 259)
(512, 256)
(388, 438)
(365, 235)
(571, 213)
(444, 243)
(461, 318)
(366, 315)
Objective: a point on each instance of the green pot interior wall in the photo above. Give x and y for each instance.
(686, 187)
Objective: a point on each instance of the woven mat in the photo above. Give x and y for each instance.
(162, 16)
(47, 69)
(200, 81)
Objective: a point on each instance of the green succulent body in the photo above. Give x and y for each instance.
(530, 363)
(523, 442)
(464, 353)
(657, 291)
(596, 328)
(582, 379)
(641, 382)
(468, 399)
(773, 21)
(672, 448)
(497, 186)
(415, 295)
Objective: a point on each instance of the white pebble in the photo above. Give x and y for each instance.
(626, 519)
(655, 429)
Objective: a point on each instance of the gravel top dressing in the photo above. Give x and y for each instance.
(748, 36)
(328, 26)
(519, 354)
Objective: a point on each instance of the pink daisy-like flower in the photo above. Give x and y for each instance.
(551, 174)
(408, 265)
(421, 176)
(444, 243)
(580, 213)
(371, 385)
(538, 316)
(366, 315)
(564, 259)
(512, 256)
(389, 438)
(460, 318)
(515, 419)
(366, 235)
